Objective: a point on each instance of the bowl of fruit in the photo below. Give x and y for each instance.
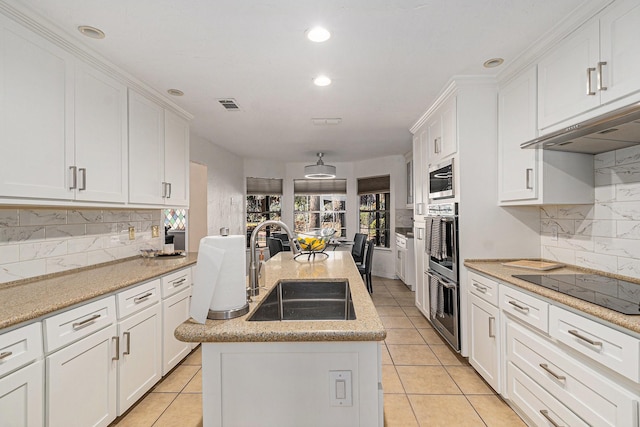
(313, 242)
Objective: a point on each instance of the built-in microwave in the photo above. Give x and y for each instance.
(441, 183)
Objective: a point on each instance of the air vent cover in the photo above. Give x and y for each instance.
(229, 104)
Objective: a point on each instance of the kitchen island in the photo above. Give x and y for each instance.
(293, 373)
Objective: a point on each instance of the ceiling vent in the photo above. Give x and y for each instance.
(229, 104)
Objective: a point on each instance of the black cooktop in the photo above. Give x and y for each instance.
(614, 294)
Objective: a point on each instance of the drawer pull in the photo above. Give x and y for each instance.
(492, 322)
(142, 298)
(5, 354)
(545, 414)
(179, 282)
(480, 288)
(117, 356)
(128, 335)
(86, 322)
(583, 338)
(519, 307)
(553, 374)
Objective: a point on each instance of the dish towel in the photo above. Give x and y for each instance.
(436, 297)
(443, 234)
(436, 243)
(428, 224)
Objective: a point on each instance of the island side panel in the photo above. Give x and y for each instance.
(288, 383)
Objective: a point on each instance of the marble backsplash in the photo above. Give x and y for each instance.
(36, 241)
(606, 235)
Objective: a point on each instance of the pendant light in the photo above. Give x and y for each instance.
(320, 170)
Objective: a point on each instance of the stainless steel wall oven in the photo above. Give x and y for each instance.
(441, 247)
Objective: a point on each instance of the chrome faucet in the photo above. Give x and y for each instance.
(254, 288)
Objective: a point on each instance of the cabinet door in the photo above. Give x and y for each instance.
(619, 48)
(484, 348)
(36, 115)
(176, 149)
(567, 77)
(426, 160)
(517, 168)
(449, 143)
(417, 175)
(434, 146)
(419, 254)
(22, 398)
(140, 364)
(101, 136)
(81, 382)
(146, 150)
(175, 310)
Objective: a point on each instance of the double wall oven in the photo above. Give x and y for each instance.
(441, 247)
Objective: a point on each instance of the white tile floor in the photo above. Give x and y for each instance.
(425, 382)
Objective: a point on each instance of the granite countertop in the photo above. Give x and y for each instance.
(366, 327)
(29, 299)
(495, 269)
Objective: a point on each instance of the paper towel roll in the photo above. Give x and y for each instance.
(219, 279)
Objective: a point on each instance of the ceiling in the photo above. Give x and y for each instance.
(388, 60)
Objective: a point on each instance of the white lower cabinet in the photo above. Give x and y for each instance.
(484, 340)
(175, 310)
(81, 381)
(21, 397)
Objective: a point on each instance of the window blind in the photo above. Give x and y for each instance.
(267, 186)
(374, 184)
(319, 186)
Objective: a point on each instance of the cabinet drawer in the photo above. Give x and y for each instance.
(538, 405)
(70, 326)
(401, 242)
(529, 309)
(175, 282)
(587, 393)
(20, 347)
(138, 298)
(613, 349)
(483, 288)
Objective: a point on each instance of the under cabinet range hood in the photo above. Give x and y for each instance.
(611, 131)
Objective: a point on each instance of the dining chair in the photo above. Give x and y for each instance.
(365, 268)
(357, 250)
(274, 245)
(284, 238)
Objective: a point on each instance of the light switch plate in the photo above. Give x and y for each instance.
(155, 231)
(340, 391)
(132, 233)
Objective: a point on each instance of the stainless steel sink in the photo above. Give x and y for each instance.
(325, 299)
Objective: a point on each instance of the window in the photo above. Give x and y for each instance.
(263, 203)
(320, 204)
(375, 204)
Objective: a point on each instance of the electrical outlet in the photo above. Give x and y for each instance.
(132, 233)
(155, 231)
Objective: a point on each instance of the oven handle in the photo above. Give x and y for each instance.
(446, 284)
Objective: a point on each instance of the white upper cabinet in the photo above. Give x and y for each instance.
(36, 115)
(158, 154)
(146, 150)
(443, 138)
(100, 137)
(597, 64)
(176, 155)
(532, 176)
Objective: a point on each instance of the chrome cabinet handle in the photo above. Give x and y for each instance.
(519, 307)
(83, 175)
(583, 338)
(545, 414)
(599, 76)
(589, 88)
(164, 190)
(492, 322)
(169, 192)
(5, 354)
(179, 282)
(436, 145)
(117, 356)
(142, 298)
(480, 288)
(74, 177)
(128, 336)
(553, 374)
(86, 322)
(529, 172)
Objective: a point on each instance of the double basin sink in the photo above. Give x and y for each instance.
(323, 299)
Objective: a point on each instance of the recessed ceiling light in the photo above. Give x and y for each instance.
(175, 92)
(318, 34)
(92, 32)
(493, 62)
(322, 81)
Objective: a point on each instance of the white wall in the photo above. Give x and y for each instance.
(606, 235)
(384, 259)
(226, 186)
